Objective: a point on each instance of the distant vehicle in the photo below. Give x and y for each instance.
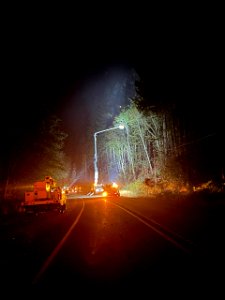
(46, 195)
(105, 190)
(98, 189)
(111, 189)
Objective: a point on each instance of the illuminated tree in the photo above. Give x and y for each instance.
(149, 144)
(133, 151)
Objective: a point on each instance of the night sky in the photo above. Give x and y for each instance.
(43, 75)
(45, 66)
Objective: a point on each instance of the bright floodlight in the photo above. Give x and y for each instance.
(121, 126)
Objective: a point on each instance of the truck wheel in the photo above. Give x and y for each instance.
(62, 208)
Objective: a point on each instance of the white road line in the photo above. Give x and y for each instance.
(156, 230)
(57, 248)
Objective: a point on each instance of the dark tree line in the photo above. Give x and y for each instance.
(43, 154)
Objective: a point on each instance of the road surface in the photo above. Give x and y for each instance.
(117, 246)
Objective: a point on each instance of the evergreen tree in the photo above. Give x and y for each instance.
(45, 154)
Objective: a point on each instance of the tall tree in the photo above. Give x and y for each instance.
(45, 154)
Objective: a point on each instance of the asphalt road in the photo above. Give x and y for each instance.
(171, 245)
